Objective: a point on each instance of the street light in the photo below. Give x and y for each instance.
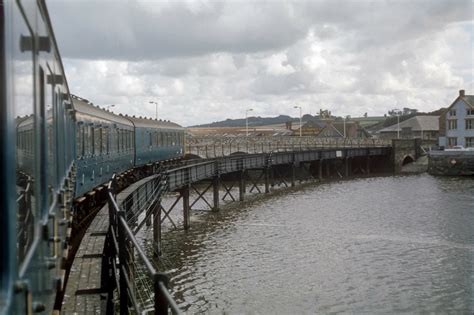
(247, 121)
(108, 106)
(397, 111)
(344, 119)
(398, 124)
(156, 105)
(301, 124)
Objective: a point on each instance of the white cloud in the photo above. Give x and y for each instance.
(206, 61)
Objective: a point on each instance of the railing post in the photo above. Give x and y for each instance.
(157, 228)
(122, 258)
(161, 304)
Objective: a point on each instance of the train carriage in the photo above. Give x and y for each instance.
(35, 112)
(55, 148)
(104, 145)
(156, 140)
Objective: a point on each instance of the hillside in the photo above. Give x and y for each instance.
(253, 121)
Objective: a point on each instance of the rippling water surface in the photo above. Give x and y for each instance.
(376, 245)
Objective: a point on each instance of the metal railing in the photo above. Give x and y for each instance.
(124, 245)
(212, 147)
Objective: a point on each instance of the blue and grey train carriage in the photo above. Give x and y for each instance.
(104, 145)
(156, 140)
(37, 164)
(55, 148)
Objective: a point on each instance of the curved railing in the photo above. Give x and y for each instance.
(122, 254)
(212, 147)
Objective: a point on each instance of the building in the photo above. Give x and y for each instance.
(459, 122)
(310, 128)
(351, 129)
(424, 127)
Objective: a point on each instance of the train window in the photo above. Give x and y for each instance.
(101, 141)
(92, 141)
(97, 141)
(124, 140)
(23, 104)
(87, 135)
(79, 140)
(127, 140)
(117, 134)
(105, 140)
(117, 140)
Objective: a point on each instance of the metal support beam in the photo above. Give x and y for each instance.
(186, 207)
(201, 195)
(255, 183)
(267, 179)
(293, 171)
(242, 185)
(167, 213)
(280, 177)
(215, 189)
(228, 191)
(320, 169)
(367, 167)
(346, 162)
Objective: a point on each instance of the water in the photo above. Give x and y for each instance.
(374, 245)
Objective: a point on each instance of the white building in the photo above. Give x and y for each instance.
(459, 123)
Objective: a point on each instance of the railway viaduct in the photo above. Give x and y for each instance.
(105, 267)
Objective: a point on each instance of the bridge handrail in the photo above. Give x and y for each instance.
(120, 232)
(220, 146)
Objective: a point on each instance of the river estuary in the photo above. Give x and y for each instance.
(371, 245)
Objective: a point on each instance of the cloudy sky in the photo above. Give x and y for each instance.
(205, 61)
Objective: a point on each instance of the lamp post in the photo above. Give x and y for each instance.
(301, 124)
(156, 107)
(108, 106)
(398, 125)
(247, 121)
(344, 120)
(397, 112)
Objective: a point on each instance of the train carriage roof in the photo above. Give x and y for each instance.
(153, 123)
(83, 106)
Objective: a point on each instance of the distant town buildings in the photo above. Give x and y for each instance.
(457, 123)
(451, 127)
(423, 127)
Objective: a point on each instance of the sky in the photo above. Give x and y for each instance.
(205, 61)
